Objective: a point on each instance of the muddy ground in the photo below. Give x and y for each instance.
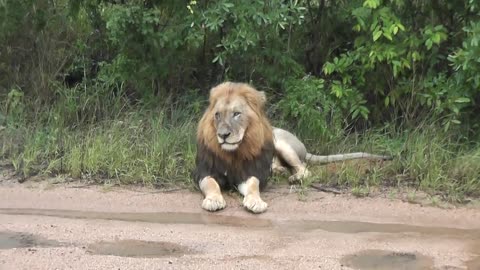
(75, 226)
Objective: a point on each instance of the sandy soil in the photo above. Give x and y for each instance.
(79, 227)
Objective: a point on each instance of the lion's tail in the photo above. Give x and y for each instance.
(315, 159)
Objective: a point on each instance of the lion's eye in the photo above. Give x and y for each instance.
(217, 115)
(235, 114)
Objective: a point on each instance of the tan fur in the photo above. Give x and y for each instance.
(252, 200)
(295, 156)
(238, 147)
(213, 195)
(257, 132)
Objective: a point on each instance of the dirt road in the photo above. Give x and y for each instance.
(69, 227)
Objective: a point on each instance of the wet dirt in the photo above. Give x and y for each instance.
(353, 227)
(387, 260)
(123, 229)
(152, 217)
(138, 249)
(474, 264)
(347, 227)
(9, 240)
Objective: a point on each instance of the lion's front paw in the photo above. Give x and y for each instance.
(255, 204)
(214, 203)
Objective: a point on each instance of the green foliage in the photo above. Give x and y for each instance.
(398, 62)
(427, 158)
(14, 107)
(374, 56)
(131, 148)
(80, 80)
(466, 60)
(12, 14)
(311, 108)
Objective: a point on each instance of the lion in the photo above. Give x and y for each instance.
(238, 148)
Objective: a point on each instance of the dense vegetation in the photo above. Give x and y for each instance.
(112, 89)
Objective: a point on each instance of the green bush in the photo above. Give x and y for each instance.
(110, 88)
(311, 109)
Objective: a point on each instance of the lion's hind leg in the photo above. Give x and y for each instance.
(213, 196)
(289, 156)
(250, 189)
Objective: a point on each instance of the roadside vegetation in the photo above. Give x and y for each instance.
(111, 90)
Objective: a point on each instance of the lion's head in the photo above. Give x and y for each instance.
(234, 125)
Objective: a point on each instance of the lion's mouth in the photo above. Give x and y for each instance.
(234, 143)
(228, 146)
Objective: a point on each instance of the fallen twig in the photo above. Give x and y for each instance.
(326, 189)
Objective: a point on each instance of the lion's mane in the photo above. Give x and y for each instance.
(253, 156)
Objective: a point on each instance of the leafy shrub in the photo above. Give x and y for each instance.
(311, 108)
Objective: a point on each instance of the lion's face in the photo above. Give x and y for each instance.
(235, 122)
(231, 119)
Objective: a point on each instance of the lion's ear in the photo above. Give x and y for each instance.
(261, 99)
(213, 91)
(256, 98)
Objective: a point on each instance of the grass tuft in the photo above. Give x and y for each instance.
(137, 145)
(425, 158)
(139, 149)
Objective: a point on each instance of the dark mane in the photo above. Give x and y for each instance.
(228, 176)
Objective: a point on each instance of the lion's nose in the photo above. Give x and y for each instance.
(224, 135)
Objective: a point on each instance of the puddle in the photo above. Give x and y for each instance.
(9, 240)
(161, 217)
(372, 259)
(138, 249)
(349, 227)
(352, 227)
(387, 260)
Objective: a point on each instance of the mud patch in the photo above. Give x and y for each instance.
(138, 249)
(387, 260)
(347, 227)
(353, 227)
(473, 264)
(10, 240)
(161, 217)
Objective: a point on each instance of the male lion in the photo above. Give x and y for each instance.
(237, 147)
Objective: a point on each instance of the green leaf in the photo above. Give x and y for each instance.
(387, 35)
(373, 4)
(429, 44)
(416, 56)
(337, 90)
(377, 35)
(462, 100)
(355, 113)
(436, 38)
(455, 121)
(328, 68)
(364, 112)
